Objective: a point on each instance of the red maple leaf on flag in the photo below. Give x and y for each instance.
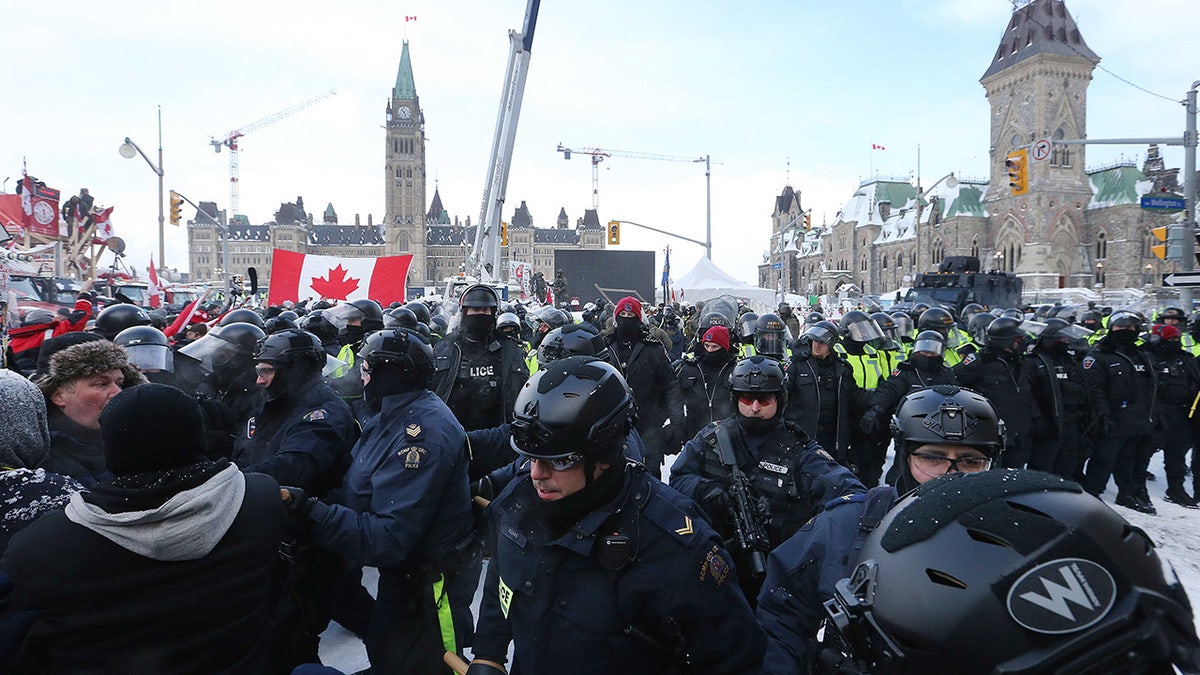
(336, 287)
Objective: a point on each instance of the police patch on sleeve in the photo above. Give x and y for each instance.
(1088, 361)
(969, 358)
(315, 415)
(714, 567)
(412, 456)
(895, 372)
(505, 593)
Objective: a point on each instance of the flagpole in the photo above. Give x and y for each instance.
(162, 256)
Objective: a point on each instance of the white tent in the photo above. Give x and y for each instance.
(706, 281)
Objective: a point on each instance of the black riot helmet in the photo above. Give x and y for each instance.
(509, 325)
(1124, 319)
(1003, 334)
(759, 375)
(1173, 314)
(905, 327)
(886, 323)
(930, 341)
(116, 318)
(917, 310)
(372, 314)
(317, 324)
(747, 327)
(858, 326)
(226, 353)
(480, 295)
(1056, 580)
(978, 325)
(969, 310)
(822, 331)
(394, 361)
(569, 340)
(1093, 320)
(936, 318)
(421, 310)
(289, 315)
(400, 317)
(948, 415)
(278, 323)
(713, 319)
(148, 348)
(242, 315)
(575, 406)
(813, 317)
(770, 336)
(297, 357)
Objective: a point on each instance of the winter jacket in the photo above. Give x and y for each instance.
(804, 398)
(655, 390)
(181, 588)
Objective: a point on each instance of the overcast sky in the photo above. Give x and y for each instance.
(759, 86)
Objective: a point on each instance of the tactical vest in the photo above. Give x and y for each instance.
(869, 368)
(477, 398)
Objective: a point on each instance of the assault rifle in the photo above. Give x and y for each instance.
(751, 514)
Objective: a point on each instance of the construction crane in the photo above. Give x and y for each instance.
(230, 140)
(598, 155)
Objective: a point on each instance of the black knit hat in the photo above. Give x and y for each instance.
(152, 427)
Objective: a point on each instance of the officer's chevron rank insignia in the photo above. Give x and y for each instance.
(505, 598)
(413, 430)
(687, 527)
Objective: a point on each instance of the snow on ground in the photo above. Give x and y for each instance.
(1175, 530)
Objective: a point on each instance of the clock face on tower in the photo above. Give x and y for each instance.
(405, 112)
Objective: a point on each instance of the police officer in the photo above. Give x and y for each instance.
(891, 349)
(326, 332)
(822, 393)
(1178, 385)
(1122, 378)
(150, 352)
(996, 371)
(302, 438)
(941, 320)
(860, 344)
(938, 431)
(1094, 321)
(747, 325)
(771, 338)
(405, 509)
(1063, 411)
(1191, 339)
(1055, 580)
(598, 567)
(219, 369)
(704, 381)
(477, 373)
(785, 468)
(642, 362)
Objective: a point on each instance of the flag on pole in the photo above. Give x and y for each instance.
(298, 276)
(876, 146)
(40, 206)
(666, 275)
(409, 18)
(153, 289)
(104, 228)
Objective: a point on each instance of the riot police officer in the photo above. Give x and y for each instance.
(704, 381)
(861, 342)
(941, 320)
(770, 337)
(1063, 409)
(790, 476)
(405, 509)
(1122, 378)
(477, 373)
(997, 372)
(1178, 385)
(219, 369)
(598, 567)
(116, 318)
(822, 393)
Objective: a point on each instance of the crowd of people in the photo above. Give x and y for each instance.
(199, 493)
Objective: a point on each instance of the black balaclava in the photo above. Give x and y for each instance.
(236, 373)
(1122, 338)
(351, 335)
(478, 327)
(291, 379)
(926, 363)
(561, 514)
(1168, 348)
(386, 379)
(715, 359)
(629, 328)
(1055, 346)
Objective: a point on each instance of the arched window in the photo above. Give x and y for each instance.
(1101, 246)
(975, 247)
(1061, 154)
(900, 260)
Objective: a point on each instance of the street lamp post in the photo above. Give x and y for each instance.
(951, 182)
(129, 150)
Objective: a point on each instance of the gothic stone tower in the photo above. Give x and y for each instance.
(1037, 87)
(404, 169)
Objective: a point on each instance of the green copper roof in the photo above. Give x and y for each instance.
(1123, 184)
(405, 87)
(969, 202)
(896, 192)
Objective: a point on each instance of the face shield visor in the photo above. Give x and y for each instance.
(904, 325)
(771, 343)
(929, 344)
(868, 332)
(149, 358)
(344, 315)
(212, 352)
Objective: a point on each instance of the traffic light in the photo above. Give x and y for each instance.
(808, 221)
(176, 207)
(503, 233)
(1172, 238)
(1018, 171)
(1160, 250)
(614, 232)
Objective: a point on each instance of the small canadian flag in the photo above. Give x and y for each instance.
(876, 146)
(298, 276)
(154, 289)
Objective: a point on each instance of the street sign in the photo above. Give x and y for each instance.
(1041, 150)
(1163, 203)
(1181, 279)
(777, 266)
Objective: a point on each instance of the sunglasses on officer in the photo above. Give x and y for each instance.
(558, 463)
(762, 397)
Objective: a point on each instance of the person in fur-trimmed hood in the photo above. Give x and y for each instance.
(81, 380)
(163, 569)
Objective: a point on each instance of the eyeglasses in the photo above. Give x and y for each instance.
(938, 465)
(560, 463)
(264, 371)
(762, 398)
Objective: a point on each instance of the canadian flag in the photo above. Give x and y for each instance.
(153, 289)
(876, 146)
(104, 227)
(298, 276)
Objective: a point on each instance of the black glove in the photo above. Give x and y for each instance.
(483, 667)
(297, 502)
(870, 421)
(714, 499)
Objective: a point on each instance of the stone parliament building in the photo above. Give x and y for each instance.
(1073, 228)
(437, 243)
